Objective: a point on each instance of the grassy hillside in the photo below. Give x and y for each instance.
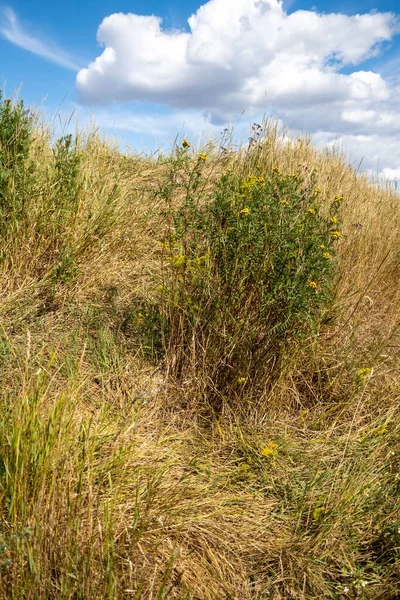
(199, 361)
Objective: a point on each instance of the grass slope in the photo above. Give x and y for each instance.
(117, 479)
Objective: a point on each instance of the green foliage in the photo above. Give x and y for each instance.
(15, 138)
(247, 273)
(5, 351)
(66, 269)
(67, 175)
(143, 324)
(58, 210)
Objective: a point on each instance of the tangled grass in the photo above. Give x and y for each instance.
(121, 477)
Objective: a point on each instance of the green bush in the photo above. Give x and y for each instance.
(15, 138)
(246, 274)
(67, 175)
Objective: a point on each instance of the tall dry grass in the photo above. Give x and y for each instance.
(113, 484)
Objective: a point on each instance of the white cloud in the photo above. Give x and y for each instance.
(304, 68)
(12, 31)
(245, 54)
(378, 155)
(391, 174)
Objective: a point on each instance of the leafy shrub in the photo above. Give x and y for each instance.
(246, 274)
(68, 175)
(15, 138)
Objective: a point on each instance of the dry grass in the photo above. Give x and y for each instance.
(113, 487)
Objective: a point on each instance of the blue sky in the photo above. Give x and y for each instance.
(328, 69)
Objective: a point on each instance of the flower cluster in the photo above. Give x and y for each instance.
(271, 450)
(251, 182)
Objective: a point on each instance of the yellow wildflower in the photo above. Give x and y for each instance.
(334, 220)
(271, 449)
(160, 288)
(303, 413)
(139, 319)
(322, 247)
(336, 235)
(244, 211)
(365, 372)
(311, 211)
(249, 183)
(284, 202)
(241, 380)
(178, 260)
(339, 198)
(327, 255)
(185, 144)
(318, 513)
(317, 191)
(313, 284)
(203, 156)
(260, 180)
(276, 170)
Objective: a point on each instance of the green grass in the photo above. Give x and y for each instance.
(181, 414)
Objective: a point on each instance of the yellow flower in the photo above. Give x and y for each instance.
(318, 513)
(241, 380)
(284, 202)
(322, 247)
(178, 260)
(334, 220)
(313, 284)
(336, 235)
(276, 170)
(339, 198)
(185, 144)
(244, 211)
(271, 449)
(311, 211)
(250, 182)
(317, 191)
(365, 372)
(327, 255)
(160, 288)
(139, 319)
(203, 156)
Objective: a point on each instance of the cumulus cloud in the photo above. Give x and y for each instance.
(304, 68)
(245, 54)
(11, 30)
(391, 174)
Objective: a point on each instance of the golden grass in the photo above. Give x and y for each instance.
(112, 486)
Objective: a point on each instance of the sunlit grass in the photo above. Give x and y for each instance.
(119, 478)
